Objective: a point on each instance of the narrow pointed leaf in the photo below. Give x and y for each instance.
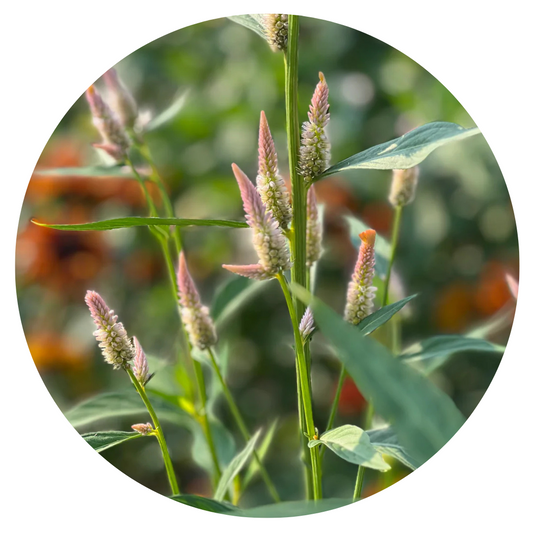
(169, 113)
(252, 22)
(235, 467)
(295, 508)
(96, 171)
(377, 319)
(405, 151)
(102, 440)
(352, 444)
(224, 445)
(206, 504)
(423, 416)
(386, 442)
(129, 222)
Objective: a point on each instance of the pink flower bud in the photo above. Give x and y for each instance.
(277, 31)
(403, 186)
(122, 100)
(140, 363)
(114, 341)
(195, 316)
(313, 229)
(256, 272)
(307, 324)
(143, 429)
(361, 293)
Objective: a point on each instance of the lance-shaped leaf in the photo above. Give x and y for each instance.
(423, 416)
(294, 508)
(405, 151)
(169, 113)
(235, 467)
(102, 440)
(130, 222)
(206, 504)
(252, 22)
(353, 445)
(386, 441)
(377, 319)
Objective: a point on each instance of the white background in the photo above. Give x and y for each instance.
(51, 52)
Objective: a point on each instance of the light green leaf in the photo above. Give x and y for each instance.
(124, 403)
(296, 508)
(435, 351)
(405, 151)
(353, 445)
(101, 171)
(252, 22)
(422, 415)
(224, 445)
(386, 442)
(169, 113)
(102, 440)
(235, 467)
(129, 222)
(377, 319)
(206, 504)
(382, 246)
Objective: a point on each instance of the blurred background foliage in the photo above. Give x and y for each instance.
(457, 241)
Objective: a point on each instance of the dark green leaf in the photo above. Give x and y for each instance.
(435, 351)
(405, 151)
(422, 415)
(382, 246)
(353, 445)
(252, 22)
(129, 222)
(377, 319)
(235, 467)
(116, 171)
(297, 508)
(386, 441)
(169, 113)
(206, 504)
(124, 403)
(102, 440)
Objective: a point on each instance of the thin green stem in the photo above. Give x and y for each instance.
(242, 425)
(309, 426)
(158, 433)
(394, 245)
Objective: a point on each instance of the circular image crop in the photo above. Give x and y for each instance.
(267, 265)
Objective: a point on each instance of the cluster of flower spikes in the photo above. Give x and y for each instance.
(276, 28)
(195, 316)
(361, 293)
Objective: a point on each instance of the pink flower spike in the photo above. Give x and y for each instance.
(313, 229)
(122, 100)
(140, 364)
(512, 284)
(195, 316)
(143, 429)
(114, 341)
(307, 324)
(256, 272)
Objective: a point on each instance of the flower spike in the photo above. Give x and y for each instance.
(361, 293)
(403, 186)
(122, 100)
(140, 364)
(270, 184)
(195, 316)
(277, 31)
(114, 341)
(313, 229)
(307, 324)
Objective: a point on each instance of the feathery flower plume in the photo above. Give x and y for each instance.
(270, 184)
(195, 316)
(512, 284)
(268, 240)
(307, 324)
(277, 31)
(314, 148)
(140, 364)
(313, 229)
(360, 296)
(403, 186)
(122, 101)
(143, 429)
(116, 142)
(114, 341)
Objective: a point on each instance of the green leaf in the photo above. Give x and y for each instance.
(124, 403)
(235, 467)
(296, 508)
(169, 113)
(382, 247)
(377, 319)
(206, 504)
(422, 415)
(129, 222)
(102, 440)
(353, 445)
(224, 445)
(252, 22)
(117, 171)
(405, 151)
(253, 469)
(435, 351)
(386, 442)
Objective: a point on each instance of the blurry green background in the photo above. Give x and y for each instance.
(458, 239)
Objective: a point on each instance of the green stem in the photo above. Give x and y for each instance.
(158, 432)
(302, 371)
(242, 426)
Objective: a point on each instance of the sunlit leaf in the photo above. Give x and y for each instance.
(386, 441)
(377, 319)
(169, 113)
(102, 440)
(252, 22)
(405, 151)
